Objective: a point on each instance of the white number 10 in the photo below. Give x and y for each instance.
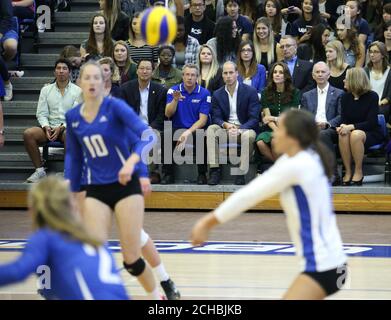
(96, 146)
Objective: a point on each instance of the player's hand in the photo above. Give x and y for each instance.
(200, 233)
(125, 174)
(178, 96)
(145, 186)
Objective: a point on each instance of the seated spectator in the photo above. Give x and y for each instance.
(251, 9)
(117, 20)
(138, 48)
(5, 82)
(291, 11)
(225, 43)
(244, 25)
(99, 43)
(210, 76)
(324, 102)
(188, 107)
(329, 10)
(314, 49)
(54, 101)
(386, 17)
(300, 70)
(235, 113)
(72, 54)
(23, 9)
(354, 50)
(111, 77)
(197, 24)
(353, 8)
(130, 7)
(264, 43)
(165, 73)
(278, 96)
(186, 47)
(378, 71)
(302, 27)
(372, 11)
(250, 72)
(335, 57)
(148, 99)
(8, 31)
(121, 57)
(359, 129)
(387, 39)
(211, 8)
(272, 11)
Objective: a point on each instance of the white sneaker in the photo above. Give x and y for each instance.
(8, 92)
(36, 176)
(41, 27)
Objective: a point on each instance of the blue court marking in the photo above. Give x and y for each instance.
(240, 248)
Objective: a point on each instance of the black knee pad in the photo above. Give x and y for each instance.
(136, 268)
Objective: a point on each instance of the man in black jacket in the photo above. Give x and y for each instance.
(148, 99)
(197, 24)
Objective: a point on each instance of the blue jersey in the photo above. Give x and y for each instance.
(77, 271)
(105, 142)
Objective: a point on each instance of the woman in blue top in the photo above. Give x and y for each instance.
(81, 268)
(250, 72)
(97, 140)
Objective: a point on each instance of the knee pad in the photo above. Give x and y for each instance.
(136, 268)
(144, 238)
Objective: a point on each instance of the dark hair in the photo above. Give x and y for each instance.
(166, 46)
(64, 61)
(277, 18)
(271, 88)
(228, 1)
(91, 46)
(225, 43)
(352, 37)
(319, 52)
(301, 125)
(144, 59)
(253, 64)
(316, 17)
(202, 1)
(131, 33)
(69, 52)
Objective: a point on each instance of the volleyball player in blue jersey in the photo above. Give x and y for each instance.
(300, 176)
(97, 139)
(80, 266)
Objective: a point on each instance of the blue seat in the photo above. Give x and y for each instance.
(50, 144)
(382, 123)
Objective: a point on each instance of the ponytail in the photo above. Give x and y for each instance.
(325, 156)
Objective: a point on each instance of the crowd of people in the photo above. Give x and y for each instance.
(234, 67)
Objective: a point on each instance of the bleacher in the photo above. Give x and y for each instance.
(37, 61)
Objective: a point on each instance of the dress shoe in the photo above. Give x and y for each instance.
(155, 178)
(357, 183)
(214, 176)
(201, 179)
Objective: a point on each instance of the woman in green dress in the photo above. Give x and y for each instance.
(278, 96)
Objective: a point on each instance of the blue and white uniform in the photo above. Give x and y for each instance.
(77, 271)
(105, 142)
(306, 199)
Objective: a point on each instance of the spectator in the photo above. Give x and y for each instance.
(329, 10)
(117, 20)
(138, 48)
(354, 49)
(314, 50)
(300, 70)
(54, 101)
(386, 17)
(250, 72)
(235, 113)
(73, 55)
(291, 10)
(210, 10)
(378, 71)
(353, 9)
(335, 55)
(5, 80)
(197, 24)
(302, 27)
(278, 96)
(372, 11)
(264, 43)
(148, 99)
(244, 25)
(225, 43)
(23, 9)
(186, 47)
(8, 31)
(130, 7)
(324, 102)
(111, 77)
(387, 39)
(210, 76)
(359, 129)
(99, 43)
(188, 107)
(272, 11)
(121, 57)
(251, 9)
(165, 73)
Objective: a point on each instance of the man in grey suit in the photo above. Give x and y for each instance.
(325, 103)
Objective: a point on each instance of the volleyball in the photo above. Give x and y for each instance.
(158, 26)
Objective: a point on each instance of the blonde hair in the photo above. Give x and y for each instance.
(129, 61)
(270, 41)
(50, 199)
(90, 63)
(111, 11)
(214, 67)
(357, 81)
(338, 47)
(115, 77)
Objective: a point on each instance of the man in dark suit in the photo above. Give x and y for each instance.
(325, 103)
(235, 113)
(148, 99)
(300, 70)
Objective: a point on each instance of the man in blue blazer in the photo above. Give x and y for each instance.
(325, 103)
(235, 116)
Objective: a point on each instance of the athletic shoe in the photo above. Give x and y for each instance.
(8, 92)
(36, 176)
(172, 293)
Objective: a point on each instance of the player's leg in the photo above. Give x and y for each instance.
(305, 288)
(97, 218)
(129, 213)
